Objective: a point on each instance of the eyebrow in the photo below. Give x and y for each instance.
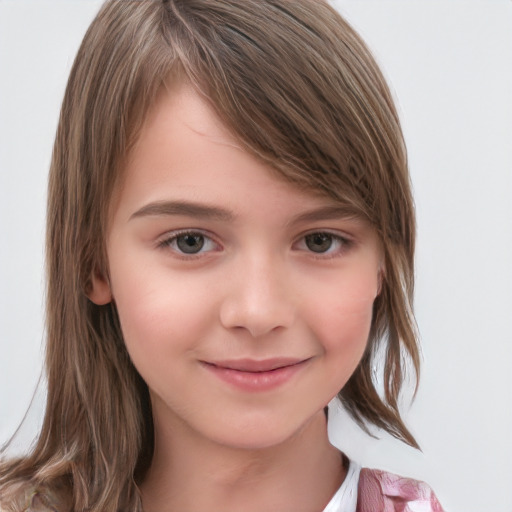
(201, 211)
(326, 213)
(186, 208)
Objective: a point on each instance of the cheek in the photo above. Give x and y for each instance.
(343, 319)
(158, 315)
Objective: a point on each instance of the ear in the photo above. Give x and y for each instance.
(99, 289)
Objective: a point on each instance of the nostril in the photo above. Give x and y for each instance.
(256, 297)
(258, 320)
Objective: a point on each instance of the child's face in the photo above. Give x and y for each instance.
(245, 303)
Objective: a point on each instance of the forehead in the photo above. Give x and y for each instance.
(185, 152)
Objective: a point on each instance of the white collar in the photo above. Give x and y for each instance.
(345, 499)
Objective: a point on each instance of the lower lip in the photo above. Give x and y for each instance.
(256, 381)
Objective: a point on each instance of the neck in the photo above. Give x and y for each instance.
(190, 473)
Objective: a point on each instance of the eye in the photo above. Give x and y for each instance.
(321, 242)
(189, 242)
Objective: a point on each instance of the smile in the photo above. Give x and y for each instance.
(256, 376)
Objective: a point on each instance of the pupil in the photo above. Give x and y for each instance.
(319, 242)
(190, 244)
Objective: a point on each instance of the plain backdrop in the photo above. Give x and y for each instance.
(450, 66)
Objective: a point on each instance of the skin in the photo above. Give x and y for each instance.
(261, 287)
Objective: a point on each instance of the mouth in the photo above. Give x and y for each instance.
(250, 375)
(257, 366)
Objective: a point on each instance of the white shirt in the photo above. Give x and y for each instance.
(345, 499)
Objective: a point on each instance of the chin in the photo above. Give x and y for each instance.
(258, 434)
(254, 441)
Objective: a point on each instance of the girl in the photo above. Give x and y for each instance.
(230, 245)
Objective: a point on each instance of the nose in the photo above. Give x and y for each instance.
(259, 298)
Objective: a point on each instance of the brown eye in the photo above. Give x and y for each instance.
(190, 243)
(319, 242)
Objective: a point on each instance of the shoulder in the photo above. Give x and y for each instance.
(386, 492)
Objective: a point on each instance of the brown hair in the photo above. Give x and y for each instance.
(301, 91)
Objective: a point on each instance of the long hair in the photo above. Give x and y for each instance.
(300, 91)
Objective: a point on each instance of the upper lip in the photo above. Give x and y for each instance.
(255, 365)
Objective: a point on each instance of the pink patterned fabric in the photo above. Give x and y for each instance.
(384, 492)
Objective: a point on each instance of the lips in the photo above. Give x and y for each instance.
(255, 366)
(249, 375)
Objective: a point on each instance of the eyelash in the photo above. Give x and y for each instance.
(170, 241)
(342, 244)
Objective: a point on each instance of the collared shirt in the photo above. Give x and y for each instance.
(371, 490)
(345, 499)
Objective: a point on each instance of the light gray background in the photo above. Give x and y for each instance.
(450, 65)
